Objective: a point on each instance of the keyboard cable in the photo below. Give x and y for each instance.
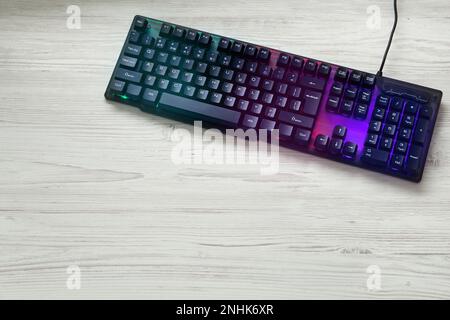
(380, 72)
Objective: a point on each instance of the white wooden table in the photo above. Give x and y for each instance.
(91, 183)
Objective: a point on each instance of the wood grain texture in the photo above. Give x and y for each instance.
(88, 182)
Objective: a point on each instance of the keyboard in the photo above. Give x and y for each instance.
(321, 108)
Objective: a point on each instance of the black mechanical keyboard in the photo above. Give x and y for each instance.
(320, 108)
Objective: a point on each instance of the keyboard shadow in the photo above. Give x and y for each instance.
(289, 156)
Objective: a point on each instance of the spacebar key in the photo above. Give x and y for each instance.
(199, 110)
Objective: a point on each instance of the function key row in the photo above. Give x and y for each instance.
(189, 35)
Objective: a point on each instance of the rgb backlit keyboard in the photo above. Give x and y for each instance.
(320, 108)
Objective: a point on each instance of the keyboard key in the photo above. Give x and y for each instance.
(420, 132)
(283, 60)
(337, 88)
(150, 95)
(281, 88)
(133, 91)
(242, 104)
(371, 140)
(176, 87)
(310, 66)
(408, 121)
(375, 126)
(347, 107)
(224, 44)
(341, 75)
(339, 132)
(251, 66)
(324, 70)
(250, 51)
(254, 81)
(134, 37)
(178, 32)
(369, 80)
(133, 50)
(365, 96)
(264, 54)
(378, 114)
(389, 130)
(257, 108)
(163, 84)
(128, 75)
(297, 63)
(191, 35)
(311, 102)
(229, 101)
(237, 47)
(200, 80)
(189, 91)
(313, 83)
(267, 125)
(361, 111)
(150, 80)
(253, 94)
(264, 70)
(393, 117)
(296, 119)
(351, 92)
(404, 134)
(382, 101)
(335, 146)
(295, 105)
(270, 112)
(196, 110)
(160, 43)
(202, 94)
(227, 87)
(140, 23)
(355, 77)
(166, 30)
(280, 101)
(175, 61)
(302, 137)
(401, 147)
(215, 97)
(267, 98)
(397, 104)
(285, 131)
(205, 39)
(128, 61)
(397, 161)
(250, 121)
(414, 159)
(117, 86)
(321, 142)
(333, 104)
(349, 149)
(386, 144)
(375, 157)
(162, 57)
(147, 40)
(426, 112)
(149, 54)
(147, 66)
(294, 92)
(411, 107)
(161, 70)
